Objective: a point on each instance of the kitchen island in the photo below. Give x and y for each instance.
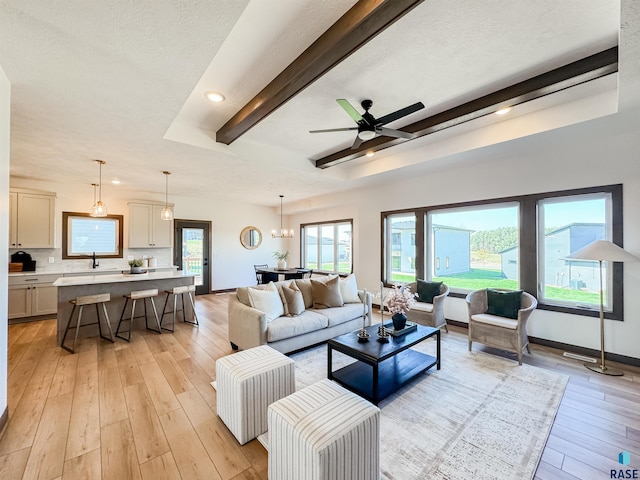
(117, 285)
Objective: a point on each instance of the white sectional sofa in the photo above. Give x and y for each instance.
(250, 327)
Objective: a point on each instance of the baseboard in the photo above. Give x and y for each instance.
(590, 352)
(223, 290)
(4, 418)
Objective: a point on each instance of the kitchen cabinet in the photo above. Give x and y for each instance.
(146, 228)
(32, 295)
(32, 219)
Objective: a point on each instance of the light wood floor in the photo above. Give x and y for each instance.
(146, 410)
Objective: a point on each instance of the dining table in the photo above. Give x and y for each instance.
(272, 274)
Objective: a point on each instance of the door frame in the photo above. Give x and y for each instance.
(178, 225)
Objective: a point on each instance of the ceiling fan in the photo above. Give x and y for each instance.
(370, 127)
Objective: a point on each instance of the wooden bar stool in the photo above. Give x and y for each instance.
(135, 296)
(81, 302)
(188, 289)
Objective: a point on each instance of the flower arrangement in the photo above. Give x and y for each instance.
(400, 300)
(281, 255)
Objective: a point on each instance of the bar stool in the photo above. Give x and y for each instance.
(134, 296)
(188, 289)
(81, 302)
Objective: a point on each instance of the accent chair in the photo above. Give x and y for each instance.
(429, 314)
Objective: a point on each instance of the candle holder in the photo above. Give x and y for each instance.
(383, 335)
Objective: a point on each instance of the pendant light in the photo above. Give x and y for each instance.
(284, 233)
(167, 213)
(98, 209)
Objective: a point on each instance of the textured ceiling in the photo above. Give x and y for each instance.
(125, 82)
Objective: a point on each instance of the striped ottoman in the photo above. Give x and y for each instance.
(324, 432)
(247, 382)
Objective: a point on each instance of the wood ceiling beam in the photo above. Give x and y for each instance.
(365, 20)
(572, 74)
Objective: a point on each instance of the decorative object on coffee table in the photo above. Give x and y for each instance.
(383, 336)
(363, 336)
(399, 302)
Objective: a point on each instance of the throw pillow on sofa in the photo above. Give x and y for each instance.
(503, 304)
(267, 300)
(326, 294)
(294, 300)
(304, 285)
(427, 290)
(349, 289)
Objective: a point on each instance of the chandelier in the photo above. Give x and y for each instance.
(284, 233)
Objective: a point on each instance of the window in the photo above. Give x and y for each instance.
(476, 243)
(327, 247)
(401, 264)
(567, 225)
(83, 236)
(515, 243)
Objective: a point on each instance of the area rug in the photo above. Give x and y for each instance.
(479, 417)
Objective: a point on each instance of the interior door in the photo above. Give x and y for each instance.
(193, 250)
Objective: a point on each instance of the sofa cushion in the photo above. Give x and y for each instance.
(326, 294)
(338, 315)
(495, 320)
(280, 286)
(427, 290)
(349, 289)
(267, 300)
(294, 302)
(423, 307)
(287, 327)
(503, 304)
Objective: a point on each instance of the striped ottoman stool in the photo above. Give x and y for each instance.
(324, 432)
(247, 382)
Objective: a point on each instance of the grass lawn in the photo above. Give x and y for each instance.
(343, 267)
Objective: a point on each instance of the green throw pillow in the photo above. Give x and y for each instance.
(503, 304)
(428, 290)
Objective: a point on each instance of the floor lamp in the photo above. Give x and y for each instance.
(603, 251)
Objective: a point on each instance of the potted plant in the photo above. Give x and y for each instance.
(136, 265)
(400, 301)
(282, 259)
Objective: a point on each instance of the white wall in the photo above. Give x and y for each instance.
(598, 152)
(231, 265)
(5, 102)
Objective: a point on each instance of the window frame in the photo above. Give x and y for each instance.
(66, 238)
(336, 251)
(528, 243)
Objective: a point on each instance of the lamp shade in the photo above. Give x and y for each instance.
(603, 250)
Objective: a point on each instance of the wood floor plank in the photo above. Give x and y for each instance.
(584, 455)
(581, 470)
(189, 453)
(552, 457)
(46, 458)
(85, 467)
(546, 471)
(12, 464)
(64, 378)
(84, 424)
(598, 433)
(129, 370)
(174, 375)
(155, 344)
(172, 345)
(147, 432)
(141, 350)
(113, 407)
(160, 391)
(200, 379)
(107, 356)
(216, 438)
(118, 452)
(593, 420)
(600, 445)
(205, 360)
(87, 364)
(160, 468)
(257, 456)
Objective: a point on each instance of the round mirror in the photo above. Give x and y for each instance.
(250, 237)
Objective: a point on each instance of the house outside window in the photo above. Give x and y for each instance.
(327, 247)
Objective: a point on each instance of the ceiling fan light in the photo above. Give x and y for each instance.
(365, 135)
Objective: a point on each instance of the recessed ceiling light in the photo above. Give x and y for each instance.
(115, 181)
(370, 154)
(214, 96)
(502, 111)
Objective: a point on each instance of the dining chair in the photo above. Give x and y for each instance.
(259, 278)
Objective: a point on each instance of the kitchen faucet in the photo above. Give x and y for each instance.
(94, 264)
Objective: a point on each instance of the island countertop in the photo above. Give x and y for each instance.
(119, 277)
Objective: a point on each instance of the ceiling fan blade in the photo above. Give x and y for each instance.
(352, 112)
(334, 130)
(390, 132)
(356, 144)
(403, 112)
